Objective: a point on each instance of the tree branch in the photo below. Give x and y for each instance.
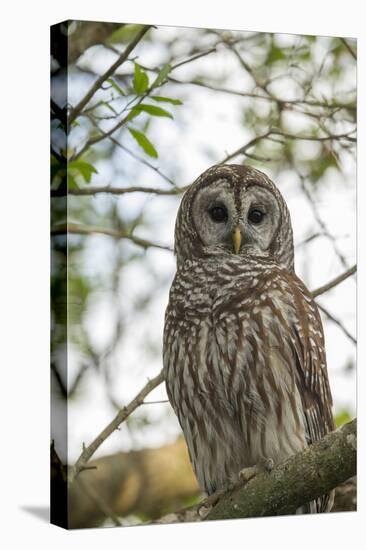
(98, 83)
(75, 228)
(334, 282)
(242, 150)
(90, 190)
(348, 48)
(134, 155)
(285, 102)
(320, 221)
(302, 478)
(99, 501)
(89, 34)
(122, 415)
(273, 132)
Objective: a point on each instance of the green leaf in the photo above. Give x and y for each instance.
(161, 76)
(125, 33)
(83, 168)
(140, 81)
(115, 86)
(150, 109)
(144, 142)
(159, 98)
(71, 182)
(275, 54)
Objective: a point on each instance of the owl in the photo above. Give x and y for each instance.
(243, 346)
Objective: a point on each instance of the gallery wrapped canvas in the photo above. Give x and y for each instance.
(203, 346)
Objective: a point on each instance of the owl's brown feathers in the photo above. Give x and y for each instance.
(243, 341)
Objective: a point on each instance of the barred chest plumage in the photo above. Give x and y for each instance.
(228, 357)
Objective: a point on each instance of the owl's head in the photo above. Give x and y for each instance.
(234, 209)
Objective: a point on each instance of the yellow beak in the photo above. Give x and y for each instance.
(236, 239)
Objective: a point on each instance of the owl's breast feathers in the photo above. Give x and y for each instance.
(245, 361)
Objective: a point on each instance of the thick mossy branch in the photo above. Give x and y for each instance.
(302, 478)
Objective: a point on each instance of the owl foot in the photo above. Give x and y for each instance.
(264, 465)
(209, 502)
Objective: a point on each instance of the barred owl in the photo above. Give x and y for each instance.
(243, 340)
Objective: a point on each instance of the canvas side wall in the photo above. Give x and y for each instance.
(59, 257)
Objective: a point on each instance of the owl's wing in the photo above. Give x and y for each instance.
(311, 376)
(311, 369)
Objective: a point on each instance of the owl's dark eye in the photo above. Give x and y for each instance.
(218, 214)
(256, 216)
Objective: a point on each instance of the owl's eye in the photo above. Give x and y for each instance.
(256, 216)
(218, 214)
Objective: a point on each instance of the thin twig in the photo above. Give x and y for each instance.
(121, 416)
(272, 98)
(338, 323)
(142, 161)
(193, 58)
(320, 221)
(99, 501)
(62, 228)
(134, 155)
(334, 282)
(330, 137)
(309, 239)
(90, 190)
(156, 402)
(242, 150)
(348, 47)
(268, 135)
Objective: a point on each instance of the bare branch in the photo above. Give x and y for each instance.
(330, 137)
(300, 479)
(98, 83)
(251, 95)
(193, 58)
(142, 160)
(87, 34)
(272, 132)
(134, 155)
(334, 282)
(320, 221)
(90, 190)
(122, 415)
(60, 229)
(348, 48)
(99, 501)
(309, 239)
(243, 150)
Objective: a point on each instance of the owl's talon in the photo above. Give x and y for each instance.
(210, 501)
(264, 465)
(248, 473)
(267, 464)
